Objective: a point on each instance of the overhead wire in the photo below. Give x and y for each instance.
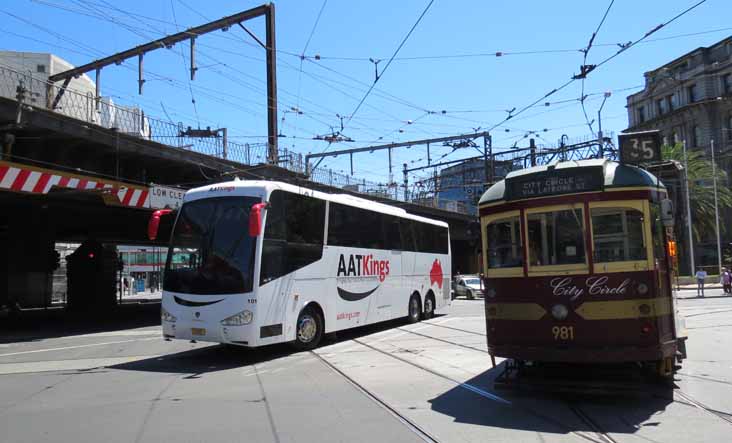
(601, 63)
(585, 52)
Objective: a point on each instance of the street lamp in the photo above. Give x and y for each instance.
(599, 125)
(716, 207)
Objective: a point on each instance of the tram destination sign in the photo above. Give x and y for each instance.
(555, 182)
(640, 147)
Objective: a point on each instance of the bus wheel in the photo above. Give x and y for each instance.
(415, 310)
(308, 330)
(429, 307)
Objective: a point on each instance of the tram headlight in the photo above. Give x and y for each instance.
(560, 312)
(644, 309)
(242, 318)
(642, 288)
(167, 316)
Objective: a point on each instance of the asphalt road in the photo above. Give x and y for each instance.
(431, 381)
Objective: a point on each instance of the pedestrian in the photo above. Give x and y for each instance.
(701, 274)
(726, 281)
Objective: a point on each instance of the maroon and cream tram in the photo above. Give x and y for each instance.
(577, 266)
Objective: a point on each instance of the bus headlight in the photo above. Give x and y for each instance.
(242, 318)
(167, 316)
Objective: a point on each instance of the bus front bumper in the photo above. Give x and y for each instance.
(209, 332)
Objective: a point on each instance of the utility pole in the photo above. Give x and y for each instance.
(599, 126)
(716, 207)
(406, 183)
(532, 151)
(688, 210)
(486, 168)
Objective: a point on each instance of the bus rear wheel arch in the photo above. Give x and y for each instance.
(414, 310)
(309, 327)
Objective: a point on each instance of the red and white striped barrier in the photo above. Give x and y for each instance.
(23, 178)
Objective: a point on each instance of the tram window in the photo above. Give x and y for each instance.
(556, 238)
(618, 235)
(505, 249)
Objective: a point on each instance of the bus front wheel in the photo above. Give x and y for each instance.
(309, 329)
(415, 309)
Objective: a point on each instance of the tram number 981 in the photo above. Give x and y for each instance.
(563, 332)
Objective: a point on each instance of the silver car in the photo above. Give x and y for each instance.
(468, 286)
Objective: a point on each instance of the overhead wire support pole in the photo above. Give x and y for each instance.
(271, 85)
(323, 155)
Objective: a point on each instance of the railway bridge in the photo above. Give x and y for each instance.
(66, 177)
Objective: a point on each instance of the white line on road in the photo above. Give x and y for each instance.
(77, 347)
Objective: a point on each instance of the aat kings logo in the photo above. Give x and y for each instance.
(360, 268)
(436, 274)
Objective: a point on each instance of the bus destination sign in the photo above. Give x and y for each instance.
(555, 182)
(640, 147)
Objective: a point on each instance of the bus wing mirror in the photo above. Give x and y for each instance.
(255, 219)
(154, 224)
(667, 213)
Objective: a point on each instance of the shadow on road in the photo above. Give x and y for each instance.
(543, 411)
(222, 357)
(33, 327)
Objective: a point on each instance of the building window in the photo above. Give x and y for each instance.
(729, 128)
(727, 84)
(641, 114)
(693, 93)
(661, 106)
(695, 136)
(670, 102)
(41, 68)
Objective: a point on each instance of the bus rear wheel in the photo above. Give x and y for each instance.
(308, 329)
(415, 309)
(429, 307)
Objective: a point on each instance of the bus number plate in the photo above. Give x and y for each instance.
(198, 331)
(563, 332)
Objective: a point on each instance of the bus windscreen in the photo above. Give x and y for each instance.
(211, 251)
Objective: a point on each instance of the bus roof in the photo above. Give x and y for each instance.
(260, 187)
(594, 175)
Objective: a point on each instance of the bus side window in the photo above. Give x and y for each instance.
(392, 234)
(406, 229)
(293, 234)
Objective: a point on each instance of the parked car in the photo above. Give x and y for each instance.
(468, 286)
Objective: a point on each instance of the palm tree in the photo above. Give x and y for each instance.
(701, 191)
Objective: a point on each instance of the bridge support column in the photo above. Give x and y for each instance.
(92, 277)
(26, 266)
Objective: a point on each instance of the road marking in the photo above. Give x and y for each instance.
(77, 346)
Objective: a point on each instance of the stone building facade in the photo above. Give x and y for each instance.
(690, 99)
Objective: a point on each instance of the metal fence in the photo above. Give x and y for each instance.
(134, 121)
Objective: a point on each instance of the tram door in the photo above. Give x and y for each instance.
(663, 268)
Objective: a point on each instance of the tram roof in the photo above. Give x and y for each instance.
(595, 174)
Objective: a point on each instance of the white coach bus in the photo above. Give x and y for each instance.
(253, 263)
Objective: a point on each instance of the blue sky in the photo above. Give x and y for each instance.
(474, 89)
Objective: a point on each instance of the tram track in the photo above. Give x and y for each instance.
(455, 329)
(411, 425)
(443, 340)
(699, 405)
(596, 435)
